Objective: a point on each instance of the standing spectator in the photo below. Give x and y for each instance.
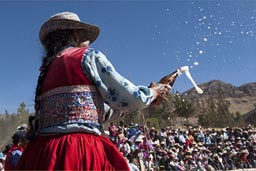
(189, 140)
(113, 132)
(208, 137)
(125, 130)
(122, 127)
(124, 147)
(13, 155)
(182, 137)
(201, 136)
(154, 136)
(120, 136)
(252, 136)
(162, 135)
(170, 138)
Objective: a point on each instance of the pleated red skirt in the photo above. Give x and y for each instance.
(76, 151)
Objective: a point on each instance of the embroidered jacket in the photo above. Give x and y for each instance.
(78, 83)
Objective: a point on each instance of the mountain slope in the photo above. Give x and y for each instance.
(242, 99)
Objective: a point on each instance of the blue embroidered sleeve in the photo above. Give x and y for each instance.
(118, 92)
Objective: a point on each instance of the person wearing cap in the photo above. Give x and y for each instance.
(13, 155)
(23, 127)
(77, 90)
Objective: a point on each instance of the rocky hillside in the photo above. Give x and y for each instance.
(242, 99)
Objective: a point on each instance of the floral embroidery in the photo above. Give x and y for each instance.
(67, 107)
(116, 90)
(98, 83)
(136, 93)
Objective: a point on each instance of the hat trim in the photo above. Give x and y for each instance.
(64, 24)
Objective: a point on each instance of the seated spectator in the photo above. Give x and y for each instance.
(133, 163)
(149, 162)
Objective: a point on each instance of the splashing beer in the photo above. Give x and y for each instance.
(170, 79)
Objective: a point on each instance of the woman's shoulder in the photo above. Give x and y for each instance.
(93, 50)
(92, 53)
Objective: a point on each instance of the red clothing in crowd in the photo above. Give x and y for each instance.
(13, 157)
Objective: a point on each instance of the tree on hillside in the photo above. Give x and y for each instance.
(157, 116)
(162, 115)
(6, 112)
(169, 116)
(134, 117)
(183, 108)
(23, 114)
(10, 122)
(22, 109)
(217, 113)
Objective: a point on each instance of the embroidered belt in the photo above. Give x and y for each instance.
(70, 104)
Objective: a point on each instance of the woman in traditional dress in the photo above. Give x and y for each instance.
(77, 90)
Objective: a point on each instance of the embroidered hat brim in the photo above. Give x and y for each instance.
(63, 21)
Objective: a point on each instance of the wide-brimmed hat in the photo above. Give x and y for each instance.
(67, 20)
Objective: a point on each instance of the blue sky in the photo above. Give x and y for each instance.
(144, 40)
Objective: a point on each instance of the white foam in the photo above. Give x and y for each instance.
(185, 69)
(196, 63)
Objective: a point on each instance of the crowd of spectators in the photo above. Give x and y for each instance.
(181, 149)
(190, 149)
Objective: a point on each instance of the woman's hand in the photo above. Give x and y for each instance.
(163, 87)
(161, 92)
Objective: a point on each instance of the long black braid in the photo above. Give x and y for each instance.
(55, 42)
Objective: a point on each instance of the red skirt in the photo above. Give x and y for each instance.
(76, 151)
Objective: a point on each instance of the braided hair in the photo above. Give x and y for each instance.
(55, 43)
